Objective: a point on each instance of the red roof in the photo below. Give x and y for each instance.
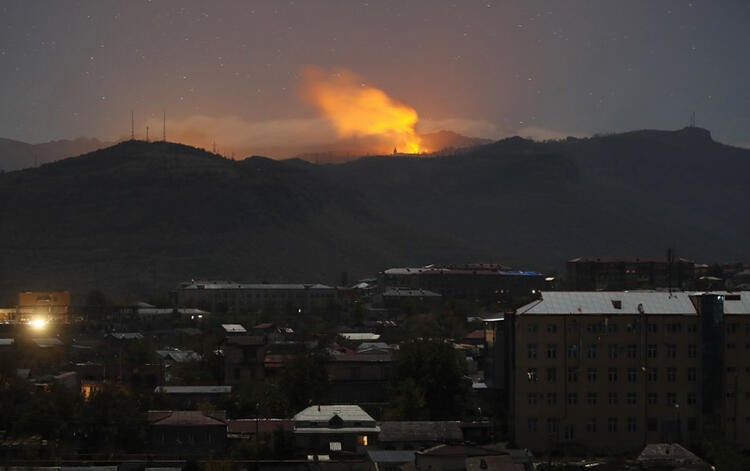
(182, 418)
(250, 426)
(476, 335)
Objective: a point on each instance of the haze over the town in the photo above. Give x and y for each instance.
(238, 73)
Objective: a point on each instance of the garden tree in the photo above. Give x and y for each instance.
(306, 380)
(259, 399)
(432, 368)
(724, 454)
(112, 421)
(407, 402)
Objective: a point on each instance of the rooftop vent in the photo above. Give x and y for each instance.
(617, 304)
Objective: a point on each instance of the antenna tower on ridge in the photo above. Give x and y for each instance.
(132, 126)
(146, 133)
(164, 127)
(692, 119)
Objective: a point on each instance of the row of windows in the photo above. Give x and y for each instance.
(614, 351)
(611, 327)
(592, 426)
(613, 374)
(613, 398)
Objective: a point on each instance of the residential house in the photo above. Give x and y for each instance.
(334, 429)
(187, 432)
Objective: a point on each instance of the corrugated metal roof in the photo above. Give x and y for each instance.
(324, 413)
(194, 389)
(233, 328)
(183, 418)
(409, 293)
(607, 302)
(257, 286)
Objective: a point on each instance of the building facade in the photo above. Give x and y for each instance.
(611, 274)
(229, 296)
(612, 371)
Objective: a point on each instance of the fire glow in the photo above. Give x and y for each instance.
(358, 110)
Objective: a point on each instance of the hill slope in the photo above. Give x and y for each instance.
(140, 216)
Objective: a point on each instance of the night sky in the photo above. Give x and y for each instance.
(487, 69)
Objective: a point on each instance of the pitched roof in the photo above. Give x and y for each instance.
(193, 389)
(324, 413)
(607, 302)
(184, 418)
(250, 426)
(421, 431)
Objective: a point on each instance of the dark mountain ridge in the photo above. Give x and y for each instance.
(140, 217)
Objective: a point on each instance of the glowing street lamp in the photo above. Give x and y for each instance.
(38, 323)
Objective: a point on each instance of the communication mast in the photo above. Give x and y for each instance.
(132, 126)
(692, 119)
(164, 127)
(146, 133)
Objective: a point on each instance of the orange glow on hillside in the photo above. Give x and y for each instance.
(359, 110)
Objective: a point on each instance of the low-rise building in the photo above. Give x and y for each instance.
(187, 432)
(230, 296)
(333, 429)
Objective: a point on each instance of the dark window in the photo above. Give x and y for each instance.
(632, 350)
(551, 399)
(691, 398)
(591, 351)
(612, 424)
(551, 375)
(671, 375)
(552, 425)
(591, 425)
(551, 351)
(591, 398)
(572, 375)
(612, 398)
(612, 375)
(691, 374)
(632, 425)
(632, 375)
(572, 351)
(671, 351)
(652, 398)
(652, 424)
(671, 399)
(632, 398)
(612, 351)
(572, 399)
(551, 328)
(532, 399)
(531, 351)
(652, 375)
(651, 350)
(591, 375)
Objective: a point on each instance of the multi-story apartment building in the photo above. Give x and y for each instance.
(612, 274)
(480, 282)
(612, 371)
(235, 297)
